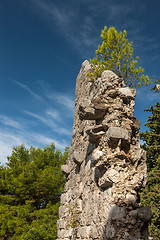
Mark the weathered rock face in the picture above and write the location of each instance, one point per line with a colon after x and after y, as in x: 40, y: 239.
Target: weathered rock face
x: 106, y: 165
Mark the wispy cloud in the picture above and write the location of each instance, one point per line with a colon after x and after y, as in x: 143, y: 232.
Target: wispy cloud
x: 54, y: 114
x: 146, y: 96
x: 83, y: 30
x: 64, y: 100
x: 51, y: 11
x: 50, y: 123
x: 64, y: 19
x: 42, y: 119
x: 53, y: 14
x: 41, y: 139
x: 9, y: 138
x: 5, y: 120
x: 28, y: 90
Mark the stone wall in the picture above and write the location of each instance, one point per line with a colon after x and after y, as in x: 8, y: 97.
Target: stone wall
x: 106, y: 166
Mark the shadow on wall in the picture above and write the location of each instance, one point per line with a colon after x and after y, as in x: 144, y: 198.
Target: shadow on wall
x: 127, y: 223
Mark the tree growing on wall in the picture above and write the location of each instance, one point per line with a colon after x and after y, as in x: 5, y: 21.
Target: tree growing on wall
x: 150, y: 195
x: 116, y: 54
x: 30, y: 188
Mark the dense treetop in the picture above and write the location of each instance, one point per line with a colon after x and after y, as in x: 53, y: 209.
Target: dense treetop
x: 30, y: 189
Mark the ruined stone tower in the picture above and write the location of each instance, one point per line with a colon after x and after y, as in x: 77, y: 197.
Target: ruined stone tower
x: 106, y: 166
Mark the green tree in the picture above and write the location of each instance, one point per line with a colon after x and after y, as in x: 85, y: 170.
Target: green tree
x: 150, y: 195
x: 30, y: 189
x: 116, y: 54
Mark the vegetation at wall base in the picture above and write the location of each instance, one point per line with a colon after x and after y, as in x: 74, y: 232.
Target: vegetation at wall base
x: 30, y: 189
x: 116, y: 54
x: 150, y: 195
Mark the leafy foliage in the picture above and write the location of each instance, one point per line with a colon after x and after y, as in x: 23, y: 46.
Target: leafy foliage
x: 116, y: 54
x: 150, y: 195
x: 157, y: 86
x: 30, y: 189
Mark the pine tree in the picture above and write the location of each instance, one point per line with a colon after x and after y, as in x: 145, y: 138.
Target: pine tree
x: 30, y: 189
x: 116, y: 54
x: 150, y: 195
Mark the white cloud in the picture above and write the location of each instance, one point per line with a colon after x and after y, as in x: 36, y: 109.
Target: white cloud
x: 83, y: 31
x: 28, y: 90
x: 60, y: 99
x: 65, y: 20
x: 50, y: 123
x: 42, y: 119
x: 10, y: 138
x: 53, y: 114
x: 39, y: 138
x: 63, y: 99
x: 54, y: 14
x: 146, y: 96
x: 60, y: 15
x: 5, y: 120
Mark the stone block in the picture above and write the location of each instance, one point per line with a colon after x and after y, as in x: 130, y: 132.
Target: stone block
x: 84, y: 232
x: 79, y: 205
x: 126, y: 92
x: 95, y: 133
x: 116, y: 212
x: 69, y: 233
x: 133, y: 214
x: 104, y: 183
x: 118, y: 133
x: 61, y: 233
x: 61, y: 224
x: 106, y: 179
x: 78, y: 157
x: 96, y: 155
x: 136, y: 124
x: 62, y: 210
x: 107, y: 74
x: 64, y: 198
x: 99, y: 104
x: 110, y: 232
x: 113, y: 93
x: 65, y: 169
x: 113, y: 175
x: 86, y: 66
x: 86, y: 110
x: 93, y: 233
x: 131, y: 198
x: 145, y: 214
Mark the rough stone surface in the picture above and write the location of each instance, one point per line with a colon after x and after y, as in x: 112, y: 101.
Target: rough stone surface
x: 106, y: 166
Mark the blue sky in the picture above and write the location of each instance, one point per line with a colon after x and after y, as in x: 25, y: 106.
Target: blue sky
x: 42, y: 46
